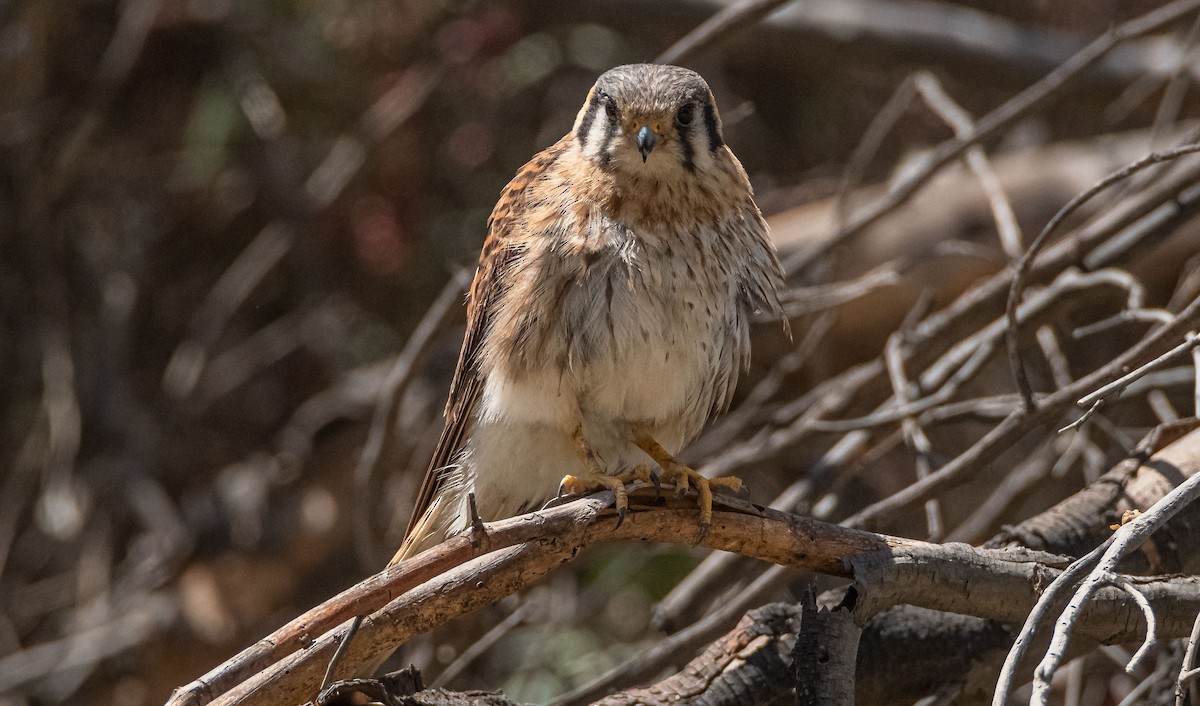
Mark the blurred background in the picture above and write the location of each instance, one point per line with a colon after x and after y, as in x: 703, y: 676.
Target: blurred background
x: 223, y: 223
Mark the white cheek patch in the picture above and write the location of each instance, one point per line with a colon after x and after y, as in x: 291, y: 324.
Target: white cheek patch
x: 601, y: 132
x: 702, y: 156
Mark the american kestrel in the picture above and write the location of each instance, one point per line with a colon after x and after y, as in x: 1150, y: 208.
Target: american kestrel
x: 609, y: 316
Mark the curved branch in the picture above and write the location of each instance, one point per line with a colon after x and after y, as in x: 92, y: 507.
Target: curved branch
x: 1022, y: 269
x: 371, y: 594
x: 888, y: 571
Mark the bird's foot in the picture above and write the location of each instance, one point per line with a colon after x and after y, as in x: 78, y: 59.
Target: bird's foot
x: 685, y: 477
x: 594, y: 478
x: 598, y: 480
x: 642, y: 474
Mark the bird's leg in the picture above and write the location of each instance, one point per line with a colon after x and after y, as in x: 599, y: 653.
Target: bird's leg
x: 594, y: 478
x: 683, y: 476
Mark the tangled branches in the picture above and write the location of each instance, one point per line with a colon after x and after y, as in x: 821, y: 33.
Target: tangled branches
x: 226, y: 230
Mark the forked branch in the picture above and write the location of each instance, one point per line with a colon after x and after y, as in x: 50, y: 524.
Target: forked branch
x: 458, y: 577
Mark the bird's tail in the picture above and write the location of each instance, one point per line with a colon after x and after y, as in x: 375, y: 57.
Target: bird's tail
x: 429, y: 530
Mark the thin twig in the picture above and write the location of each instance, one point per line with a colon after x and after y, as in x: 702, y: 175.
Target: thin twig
x: 136, y: 21
x: 649, y: 662
x: 914, y: 436
x: 726, y: 21
x: 1021, y: 271
x: 1125, y: 316
x: 1151, y: 640
x: 1177, y: 84
x: 1138, y: 693
x: 1115, y: 387
x: 739, y: 418
x: 387, y: 405
x: 1126, y: 539
x: 1016, y: 484
x: 935, y: 96
x: 1078, y: 569
x: 1161, y: 405
x: 806, y: 300
x: 1196, y: 386
x: 483, y: 644
x: 1188, y: 673
x: 1018, y: 423
x: 1007, y: 114
x: 868, y: 146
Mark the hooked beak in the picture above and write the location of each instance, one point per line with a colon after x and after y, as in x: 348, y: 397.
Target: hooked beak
x: 645, y: 140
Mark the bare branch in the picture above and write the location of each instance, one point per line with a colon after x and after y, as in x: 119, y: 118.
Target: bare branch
x: 1115, y: 387
x: 1017, y: 423
x: 888, y: 571
x: 935, y: 96
x: 1026, y: 261
x: 1014, y: 109
x: 1187, y: 672
x: 1127, y: 538
x: 730, y: 19
x: 686, y: 641
x: 387, y: 403
x: 1151, y: 640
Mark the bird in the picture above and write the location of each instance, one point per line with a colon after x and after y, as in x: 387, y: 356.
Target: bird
x: 609, y: 315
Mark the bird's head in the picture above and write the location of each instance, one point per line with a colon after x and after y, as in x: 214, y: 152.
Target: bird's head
x: 650, y: 120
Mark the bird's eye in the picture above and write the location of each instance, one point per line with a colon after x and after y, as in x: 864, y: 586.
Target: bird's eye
x: 684, y: 117
x: 610, y: 107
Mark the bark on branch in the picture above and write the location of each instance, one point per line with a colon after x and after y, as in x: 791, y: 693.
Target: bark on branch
x: 998, y: 584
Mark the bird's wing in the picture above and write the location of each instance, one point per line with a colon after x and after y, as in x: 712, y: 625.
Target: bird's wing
x: 502, y: 252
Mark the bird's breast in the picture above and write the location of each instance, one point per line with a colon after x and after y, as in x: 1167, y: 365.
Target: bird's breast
x: 638, y: 328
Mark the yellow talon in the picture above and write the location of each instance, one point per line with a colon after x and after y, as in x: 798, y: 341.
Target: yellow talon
x: 683, y: 477
x: 578, y: 485
x: 570, y: 485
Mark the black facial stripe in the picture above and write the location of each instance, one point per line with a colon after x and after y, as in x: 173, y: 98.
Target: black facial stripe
x: 589, y: 117
x: 710, y: 123
x: 685, y: 144
x: 610, y: 134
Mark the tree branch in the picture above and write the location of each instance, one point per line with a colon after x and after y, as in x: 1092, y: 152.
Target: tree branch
x: 999, y: 584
